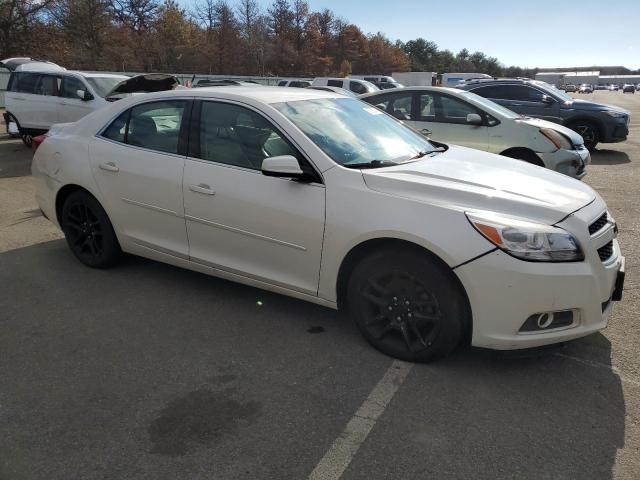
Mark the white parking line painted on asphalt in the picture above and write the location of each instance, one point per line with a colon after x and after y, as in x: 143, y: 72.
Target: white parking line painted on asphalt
x: 591, y: 363
x: 344, y: 448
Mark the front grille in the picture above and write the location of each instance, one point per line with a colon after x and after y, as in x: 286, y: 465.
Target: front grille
x: 606, y: 251
x: 598, y: 224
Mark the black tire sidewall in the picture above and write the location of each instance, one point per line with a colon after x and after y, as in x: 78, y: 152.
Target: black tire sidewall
x: 596, y: 133
x: 111, y: 248
x: 437, y: 278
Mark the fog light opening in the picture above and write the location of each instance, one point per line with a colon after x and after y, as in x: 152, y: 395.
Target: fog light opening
x: 544, y: 320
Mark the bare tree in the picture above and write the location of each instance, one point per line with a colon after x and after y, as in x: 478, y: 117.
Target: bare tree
x: 17, y: 17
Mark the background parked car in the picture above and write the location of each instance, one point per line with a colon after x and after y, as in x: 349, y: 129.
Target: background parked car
x: 356, y: 85
x: 223, y: 82
x: 613, y: 88
x: 570, y: 88
x: 595, y: 122
x: 585, y: 88
x: 628, y: 88
x: 294, y: 83
x: 40, y: 94
x: 387, y: 85
x: 599, y: 87
x: 457, y: 117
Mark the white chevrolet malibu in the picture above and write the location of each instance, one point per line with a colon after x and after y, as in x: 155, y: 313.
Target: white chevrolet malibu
x: 325, y: 198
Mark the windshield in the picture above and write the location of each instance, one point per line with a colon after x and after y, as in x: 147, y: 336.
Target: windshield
x: 353, y: 132
x: 553, y: 92
x: 103, y: 85
x: 489, y: 106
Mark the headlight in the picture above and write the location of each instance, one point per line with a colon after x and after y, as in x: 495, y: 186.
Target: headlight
x: 615, y: 113
x: 527, y: 240
x: 560, y: 141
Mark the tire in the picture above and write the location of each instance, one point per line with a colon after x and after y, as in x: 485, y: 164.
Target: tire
x: 524, y: 155
x: 589, y: 131
x: 88, y: 231
x: 27, y: 139
x: 407, y: 305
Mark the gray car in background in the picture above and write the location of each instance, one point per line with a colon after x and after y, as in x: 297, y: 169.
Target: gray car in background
x: 596, y: 122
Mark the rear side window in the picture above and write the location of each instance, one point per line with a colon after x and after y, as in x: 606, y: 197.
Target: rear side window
x: 282, y: 83
x: 24, y: 82
x: 334, y: 83
x: 398, y: 105
x: 154, y: 125
x: 48, y: 85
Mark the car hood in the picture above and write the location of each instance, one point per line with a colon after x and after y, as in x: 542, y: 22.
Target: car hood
x: 579, y: 104
x: 467, y: 179
x: 576, y: 138
x: 150, y: 82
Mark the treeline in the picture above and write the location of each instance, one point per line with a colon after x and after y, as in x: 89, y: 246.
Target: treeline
x: 287, y: 38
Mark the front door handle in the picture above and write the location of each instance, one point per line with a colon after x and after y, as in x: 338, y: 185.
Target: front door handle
x: 203, y: 189
x: 425, y: 131
x: 109, y: 167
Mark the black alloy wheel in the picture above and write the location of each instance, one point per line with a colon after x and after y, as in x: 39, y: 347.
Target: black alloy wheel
x: 589, y: 133
x: 407, y: 305
x: 88, y: 231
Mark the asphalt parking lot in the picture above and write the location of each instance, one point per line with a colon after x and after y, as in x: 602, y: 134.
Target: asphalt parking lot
x: 147, y: 371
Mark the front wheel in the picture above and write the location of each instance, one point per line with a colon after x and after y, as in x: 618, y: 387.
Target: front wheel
x: 589, y: 132
x: 88, y: 231
x: 408, y: 305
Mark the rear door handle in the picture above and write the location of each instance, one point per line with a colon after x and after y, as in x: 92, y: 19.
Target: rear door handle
x: 109, y: 167
x: 203, y: 189
x: 425, y: 131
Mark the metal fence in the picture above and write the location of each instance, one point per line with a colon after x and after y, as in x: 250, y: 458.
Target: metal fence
x: 191, y: 77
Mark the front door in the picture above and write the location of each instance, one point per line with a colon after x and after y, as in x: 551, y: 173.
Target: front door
x: 240, y: 221
x: 72, y: 105
x: 443, y: 118
x: 138, y: 162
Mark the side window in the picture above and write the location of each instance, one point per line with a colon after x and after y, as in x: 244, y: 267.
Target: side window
x: 427, y: 107
x: 282, y: 83
x: 71, y: 86
x: 453, y: 110
x: 357, y: 87
x: 48, y: 85
x: 334, y: 83
x: 397, y: 105
x: 25, y: 82
x: 492, y: 91
x: 534, y: 95
x: 118, y: 128
x: 297, y: 84
x: 156, y: 125
x: 371, y: 79
x: 238, y: 136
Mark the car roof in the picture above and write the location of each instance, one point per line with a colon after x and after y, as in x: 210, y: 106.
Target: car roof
x: 262, y: 94
x: 413, y: 89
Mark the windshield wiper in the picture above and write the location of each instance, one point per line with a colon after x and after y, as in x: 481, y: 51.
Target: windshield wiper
x: 423, y: 153
x: 371, y: 164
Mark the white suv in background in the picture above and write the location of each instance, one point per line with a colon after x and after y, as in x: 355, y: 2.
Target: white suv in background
x: 356, y: 85
x: 40, y: 94
x: 455, y: 116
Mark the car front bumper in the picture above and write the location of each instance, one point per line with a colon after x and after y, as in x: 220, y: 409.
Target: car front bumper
x: 504, y: 291
x: 569, y: 162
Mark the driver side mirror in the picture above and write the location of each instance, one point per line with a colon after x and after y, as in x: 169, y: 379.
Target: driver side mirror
x: 474, y: 119
x: 84, y: 95
x: 284, y: 166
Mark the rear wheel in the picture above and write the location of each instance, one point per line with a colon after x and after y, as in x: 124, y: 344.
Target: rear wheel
x: 88, y: 231
x: 407, y: 305
x: 589, y: 132
x: 27, y: 139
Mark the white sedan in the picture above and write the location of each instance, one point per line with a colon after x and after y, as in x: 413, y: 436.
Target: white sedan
x: 325, y: 198
x: 463, y: 118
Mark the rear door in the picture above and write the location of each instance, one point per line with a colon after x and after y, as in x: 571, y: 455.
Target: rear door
x: 138, y: 162
x: 73, y: 106
x: 22, y: 101
x: 241, y: 221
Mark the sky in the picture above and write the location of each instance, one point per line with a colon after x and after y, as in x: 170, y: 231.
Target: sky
x: 542, y: 33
